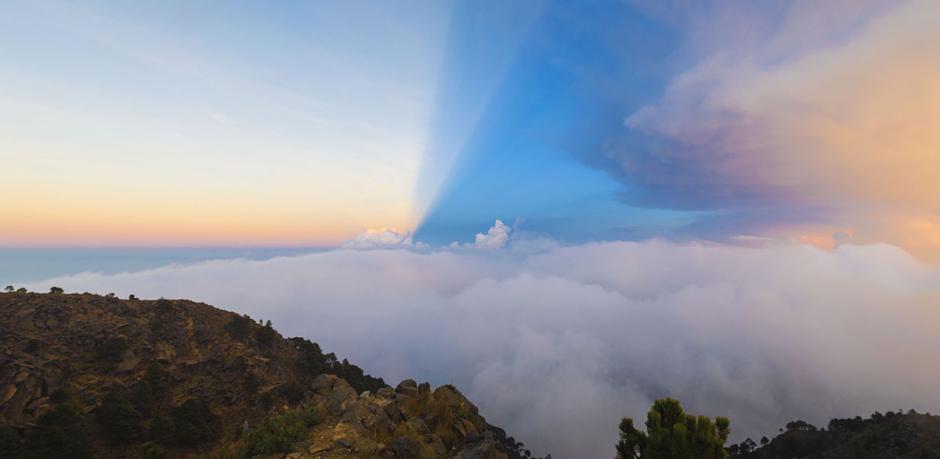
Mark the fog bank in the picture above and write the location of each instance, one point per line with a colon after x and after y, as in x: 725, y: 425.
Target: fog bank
x: 557, y: 344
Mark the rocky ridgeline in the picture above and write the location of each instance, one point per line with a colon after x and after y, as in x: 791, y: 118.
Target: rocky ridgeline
x: 100, y: 376
x: 410, y: 421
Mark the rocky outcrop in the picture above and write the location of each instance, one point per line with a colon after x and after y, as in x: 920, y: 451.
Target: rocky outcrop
x: 408, y: 422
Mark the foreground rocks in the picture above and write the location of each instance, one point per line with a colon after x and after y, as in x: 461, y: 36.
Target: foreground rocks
x: 410, y: 421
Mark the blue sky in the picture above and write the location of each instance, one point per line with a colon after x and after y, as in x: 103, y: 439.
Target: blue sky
x: 565, y: 88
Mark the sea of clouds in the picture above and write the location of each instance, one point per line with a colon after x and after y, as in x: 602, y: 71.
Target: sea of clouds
x: 557, y: 343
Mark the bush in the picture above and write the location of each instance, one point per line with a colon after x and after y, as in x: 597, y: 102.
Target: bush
x: 119, y: 421
x: 292, y: 391
x: 266, y: 401
x: 251, y: 383
x: 142, y: 397
x: 312, y: 359
x: 10, y: 441
x: 62, y: 432
x: 152, y: 450
x: 111, y: 350
x: 265, y: 335
x: 190, y: 424
x: 240, y: 327
x: 277, y: 433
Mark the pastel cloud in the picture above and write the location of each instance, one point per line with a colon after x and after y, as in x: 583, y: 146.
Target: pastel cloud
x: 836, y: 120
x: 557, y: 345
x: 381, y: 238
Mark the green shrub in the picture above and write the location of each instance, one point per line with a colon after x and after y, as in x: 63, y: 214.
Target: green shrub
x: 277, y: 433
x: 119, y: 421
x: 673, y: 434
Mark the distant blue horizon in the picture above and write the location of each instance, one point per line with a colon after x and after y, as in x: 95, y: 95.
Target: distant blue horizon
x: 27, y: 265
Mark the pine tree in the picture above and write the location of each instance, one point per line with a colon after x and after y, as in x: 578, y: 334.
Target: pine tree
x: 673, y: 434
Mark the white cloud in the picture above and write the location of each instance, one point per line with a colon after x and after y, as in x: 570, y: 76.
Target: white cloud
x: 557, y: 346
x: 495, y: 238
x: 384, y: 238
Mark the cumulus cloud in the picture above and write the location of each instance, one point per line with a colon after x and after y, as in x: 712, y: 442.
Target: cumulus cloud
x: 494, y: 239
x: 557, y: 345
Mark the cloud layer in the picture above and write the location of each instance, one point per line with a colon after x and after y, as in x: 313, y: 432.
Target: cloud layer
x: 557, y: 344
x: 806, y: 117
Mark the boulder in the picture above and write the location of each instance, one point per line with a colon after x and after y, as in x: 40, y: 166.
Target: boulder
x: 333, y: 392
x: 386, y: 393
x: 407, y: 387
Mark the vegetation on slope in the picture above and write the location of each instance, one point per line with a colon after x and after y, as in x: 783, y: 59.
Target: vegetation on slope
x: 881, y: 436
x: 97, y: 376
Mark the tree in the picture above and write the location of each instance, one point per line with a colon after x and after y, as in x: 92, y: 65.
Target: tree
x: 240, y: 327
x: 805, y: 426
x: 673, y: 434
x: 748, y: 445
x: 265, y: 335
x: 764, y: 440
x: 9, y: 289
x: 56, y: 290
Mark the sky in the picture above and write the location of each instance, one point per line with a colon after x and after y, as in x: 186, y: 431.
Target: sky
x: 305, y: 123
x: 559, y: 207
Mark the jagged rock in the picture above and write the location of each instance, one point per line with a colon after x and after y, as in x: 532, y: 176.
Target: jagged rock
x: 407, y: 387
x: 334, y: 392
x: 424, y: 388
x: 386, y: 393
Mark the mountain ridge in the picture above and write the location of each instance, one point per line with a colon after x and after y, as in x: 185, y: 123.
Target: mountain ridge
x: 100, y: 376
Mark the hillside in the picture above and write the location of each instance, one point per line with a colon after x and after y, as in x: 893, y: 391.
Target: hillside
x: 881, y: 436
x: 85, y: 375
